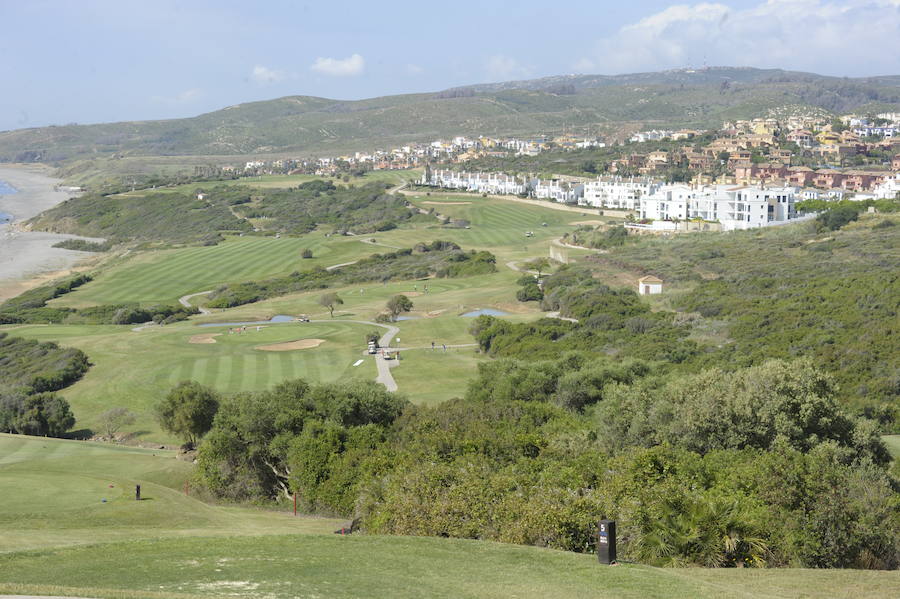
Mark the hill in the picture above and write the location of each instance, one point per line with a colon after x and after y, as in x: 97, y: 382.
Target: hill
x: 307, y: 125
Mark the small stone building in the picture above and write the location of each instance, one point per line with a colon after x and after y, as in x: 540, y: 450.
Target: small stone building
x: 649, y: 285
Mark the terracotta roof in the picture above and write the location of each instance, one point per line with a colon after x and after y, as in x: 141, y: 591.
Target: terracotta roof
x: 649, y: 279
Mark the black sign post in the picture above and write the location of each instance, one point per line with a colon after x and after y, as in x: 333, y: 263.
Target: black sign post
x: 137, y: 492
x: 606, y: 542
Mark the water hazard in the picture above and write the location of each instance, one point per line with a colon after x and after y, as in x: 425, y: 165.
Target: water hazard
x: 274, y: 319
x: 485, y: 312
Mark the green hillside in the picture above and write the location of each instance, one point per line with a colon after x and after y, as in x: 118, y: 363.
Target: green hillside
x: 304, y: 125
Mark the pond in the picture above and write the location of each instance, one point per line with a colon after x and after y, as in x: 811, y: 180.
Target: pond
x: 274, y: 319
x: 485, y: 312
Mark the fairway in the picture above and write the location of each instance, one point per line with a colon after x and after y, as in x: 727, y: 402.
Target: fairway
x: 375, y: 566
x: 136, y: 369
x: 166, y: 275
x: 52, y: 493
x: 59, y: 537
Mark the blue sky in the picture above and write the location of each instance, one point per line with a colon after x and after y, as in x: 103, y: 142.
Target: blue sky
x: 92, y: 61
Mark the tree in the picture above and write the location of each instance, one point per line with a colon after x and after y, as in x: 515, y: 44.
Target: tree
x: 330, y: 300
x: 188, y: 411
x: 112, y: 420
x: 836, y: 218
x: 44, y: 414
x: 538, y: 264
x: 306, y: 254
x: 399, y: 304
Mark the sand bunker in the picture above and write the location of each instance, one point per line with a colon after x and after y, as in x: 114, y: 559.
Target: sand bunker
x: 446, y: 203
x: 589, y: 222
x: 292, y: 345
x: 204, y: 338
x: 411, y: 293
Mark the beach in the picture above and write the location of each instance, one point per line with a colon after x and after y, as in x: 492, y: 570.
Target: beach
x: 28, y: 258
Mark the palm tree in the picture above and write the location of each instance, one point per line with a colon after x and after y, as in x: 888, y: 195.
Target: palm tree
x: 711, y: 532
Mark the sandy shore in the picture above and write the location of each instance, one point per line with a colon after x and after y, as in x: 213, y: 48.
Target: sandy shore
x: 28, y: 258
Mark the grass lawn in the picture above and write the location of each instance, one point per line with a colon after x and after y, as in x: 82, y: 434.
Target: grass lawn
x: 893, y: 444
x: 52, y: 492
x: 136, y: 369
x: 373, y: 566
x: 448, y: 373
x: 165, y: 275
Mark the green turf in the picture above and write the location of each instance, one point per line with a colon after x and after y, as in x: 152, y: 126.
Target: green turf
x: 136, y: 369
x: 52, y: 492
x: 893, y: 444
x: 364, y: 566
x: 166, y: 275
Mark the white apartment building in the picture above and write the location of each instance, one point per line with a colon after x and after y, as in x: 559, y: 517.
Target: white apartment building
x: 558, y: 191
x: 620, y: 193
x: 889, y: 188
x: 493, y: 183
x: 741, y: 207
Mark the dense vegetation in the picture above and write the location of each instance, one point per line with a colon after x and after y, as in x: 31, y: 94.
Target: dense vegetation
x: 363, y: 209
x: 29, y: 366
x: 834, y: 297
x: 534, y: 453
x: 609, y: 321
x: 83, y: 245
x: 438, y: 258
x: 29, y: 373
x: 175, y: 216
x: 31, y: 307
x: 153, y: 216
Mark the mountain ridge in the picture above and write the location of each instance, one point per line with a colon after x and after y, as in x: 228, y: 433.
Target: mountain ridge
x: 306, y: 125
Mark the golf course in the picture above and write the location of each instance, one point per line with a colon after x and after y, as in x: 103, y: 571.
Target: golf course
x: 133, y: 367
x: 73, y: 527
x: 71, y: 523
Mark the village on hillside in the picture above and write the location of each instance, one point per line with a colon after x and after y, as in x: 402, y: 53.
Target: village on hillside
x: 748, y: 173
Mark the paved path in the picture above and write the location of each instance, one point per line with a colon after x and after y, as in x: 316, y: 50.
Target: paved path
x: 184, y: 300
x: 384, y: 366
x: 336, y: 266
x: 556, y: 315
x: 562, y: 243
x: 370, y: 242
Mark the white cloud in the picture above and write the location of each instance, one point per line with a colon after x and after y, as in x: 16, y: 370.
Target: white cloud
x: 504, y: 68
x: 340, y: 67
x: 185, y: 97
x: 853, y: 37
x: 414, y: 69
x: 265, y: 75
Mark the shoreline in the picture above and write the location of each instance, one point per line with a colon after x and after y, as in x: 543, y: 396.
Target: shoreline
x: 27, y: 259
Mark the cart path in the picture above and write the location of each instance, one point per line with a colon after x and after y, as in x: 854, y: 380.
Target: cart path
x: 184, y: 300
x: 384, y: 366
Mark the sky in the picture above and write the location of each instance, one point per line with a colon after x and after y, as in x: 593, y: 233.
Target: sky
x: 90, y: 61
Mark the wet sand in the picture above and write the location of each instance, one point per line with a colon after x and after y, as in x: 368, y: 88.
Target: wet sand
x: 28, y: 258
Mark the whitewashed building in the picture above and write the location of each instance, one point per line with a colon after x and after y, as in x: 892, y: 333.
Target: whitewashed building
x: 493, y: 183
x: 742, y: 207
x: 649, y: 285
x: 620, y: 193
x: 557, y: 190
x: 889, y: 188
